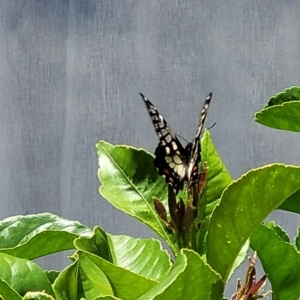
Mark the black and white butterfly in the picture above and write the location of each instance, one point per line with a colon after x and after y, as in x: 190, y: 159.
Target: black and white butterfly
x: 176, y: 163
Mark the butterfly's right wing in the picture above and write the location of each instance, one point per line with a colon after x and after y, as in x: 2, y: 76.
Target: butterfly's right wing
x: 195, y: 146
x: 170, y: 159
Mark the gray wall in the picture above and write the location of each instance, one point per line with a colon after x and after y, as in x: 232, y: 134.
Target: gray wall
x: 70, y: 73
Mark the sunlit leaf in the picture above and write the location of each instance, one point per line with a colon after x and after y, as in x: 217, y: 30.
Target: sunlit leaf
x: 218, y: 177
x: 282, y: 111
x: 243, y: 206
x: 280, y: 260
x: 190, y: 278
x: 23, y: 275
x: 129, y: 181
x: 33, y: 236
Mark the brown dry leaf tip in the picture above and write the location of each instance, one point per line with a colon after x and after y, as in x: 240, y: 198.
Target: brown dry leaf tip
x: 203, y: 177
x: 199, y: 187
x: 160, y: 209
x: 251, y: 289
x: 162, y: 213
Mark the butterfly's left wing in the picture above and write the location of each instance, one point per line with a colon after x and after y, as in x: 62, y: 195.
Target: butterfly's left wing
x: 170, y: 156
x: 194, y: 148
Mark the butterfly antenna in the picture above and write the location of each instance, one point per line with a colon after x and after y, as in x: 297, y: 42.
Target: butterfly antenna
x: 213, y: 125
x: 182, y: 137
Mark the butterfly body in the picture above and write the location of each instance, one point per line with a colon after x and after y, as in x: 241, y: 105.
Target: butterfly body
x: 176, y: 163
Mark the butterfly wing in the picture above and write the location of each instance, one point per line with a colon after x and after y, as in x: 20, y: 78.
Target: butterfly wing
x: 194, y: 148
x: 170, y: 158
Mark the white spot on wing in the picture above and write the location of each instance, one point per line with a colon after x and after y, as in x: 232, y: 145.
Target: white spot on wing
x: 168, y: 159
x: 168, y: 138
x: 189, y: 171
x: 164, y: 132
x: 180, y: 170
x: 177, y: 159
x: 172, y: 165
x: 174, y: 145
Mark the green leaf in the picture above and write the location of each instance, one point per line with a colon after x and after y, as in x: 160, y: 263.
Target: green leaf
x: 141, y: 256
x: 96, y: 244
x: 33, y: 236
x: 282, y: 111
x: 52, y: 275
x: 292, y: 203
x: 190, y: 278
x: 289, y: 94
x: 241, y: 257
x: 37, y: 296
x: 66, y: 286
x: 135, y: 260
x: 23, y: 275
x: 119, y: 282
x: 243, y: 206
x: 217, y: 180
x: 218, y: 177
x: 297, y: 240
x: 93, y: 279
x: 7, y: 292
x: 129, y: 181
x: 278, y: 230
x: 144, y: 257
x: 280, y: 260
x: 283, y: 117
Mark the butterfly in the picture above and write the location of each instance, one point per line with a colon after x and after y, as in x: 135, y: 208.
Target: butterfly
x: 176, y: 163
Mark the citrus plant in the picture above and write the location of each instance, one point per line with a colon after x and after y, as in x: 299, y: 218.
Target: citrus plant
x: 209, y: 230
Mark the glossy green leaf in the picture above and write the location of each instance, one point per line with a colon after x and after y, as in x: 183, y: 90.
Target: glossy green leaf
x: 37, y: 296
x: 144, y: 257
x: 190, y: 278
x: 243, y: 206
x: 52, y: 275
x: 218, y: 177
x: 292, y: 203
x: 284, y: 116
x: 66, y: 285
x: 93, y: 279
x: 282, y: 111
x: 297, y: 240
x: 33, y: 236
x: 287, y: 95
x: 23, y: 275
x: 129, y: 181
x: 279, y: 231
x: 96, y: 244
x: 121, y: 281
x: 280, y: 260
x: 217, y: 180
x: 141, y: 256
x: 7, y: 292
x: 241, y: 257
x: 140, y: 260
